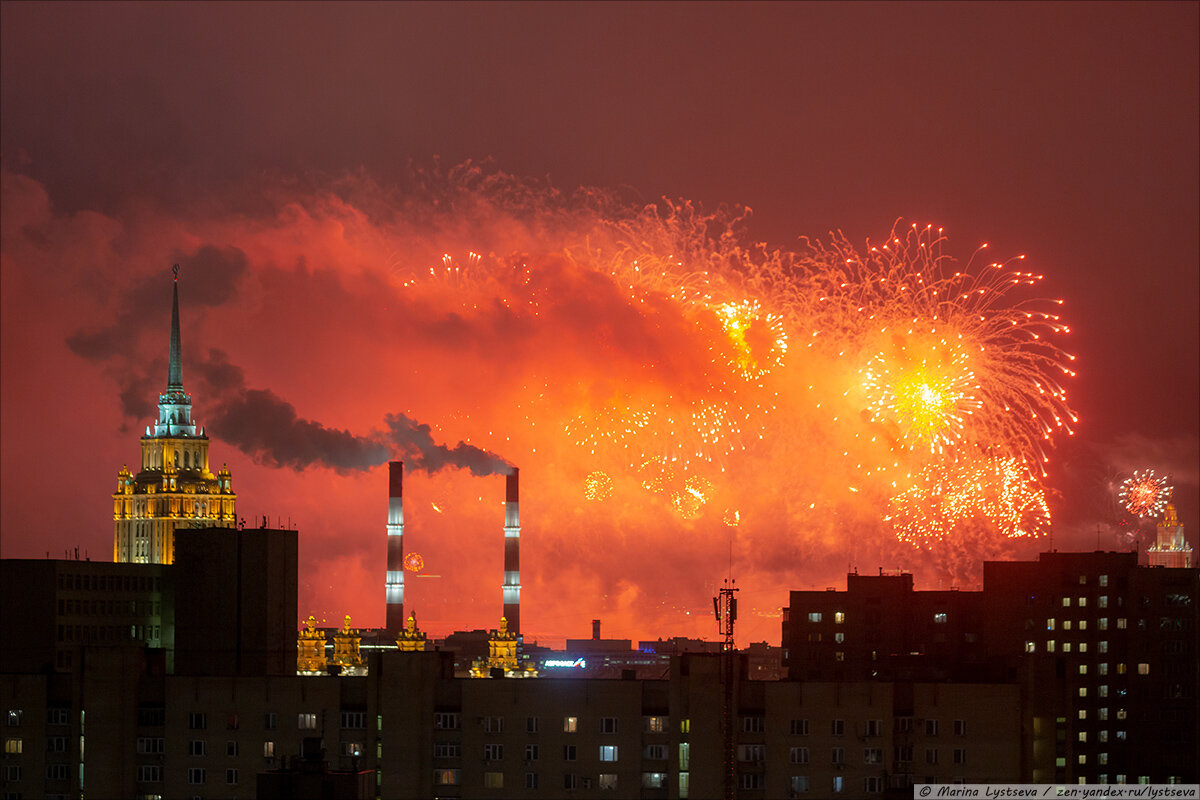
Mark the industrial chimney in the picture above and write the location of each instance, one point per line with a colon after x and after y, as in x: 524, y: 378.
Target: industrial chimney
x: 512, y: 554
x: 395, y: 548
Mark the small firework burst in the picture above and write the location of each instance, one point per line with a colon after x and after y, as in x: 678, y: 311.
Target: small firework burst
x: 597, y: 486
x: 414, y: 562
x: 1145, y: 494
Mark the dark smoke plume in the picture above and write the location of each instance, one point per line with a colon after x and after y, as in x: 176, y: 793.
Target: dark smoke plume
x: 416, y: 443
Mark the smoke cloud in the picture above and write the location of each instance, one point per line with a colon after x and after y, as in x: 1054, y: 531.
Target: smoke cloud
x: 416, y: 443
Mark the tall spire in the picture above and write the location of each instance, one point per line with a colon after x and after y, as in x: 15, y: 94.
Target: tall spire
x: 175, y: 367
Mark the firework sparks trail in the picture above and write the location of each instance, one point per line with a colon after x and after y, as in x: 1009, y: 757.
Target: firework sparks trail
x: 1145, y: 494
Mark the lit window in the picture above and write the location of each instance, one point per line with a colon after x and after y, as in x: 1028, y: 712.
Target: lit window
x: 685, y: 755
x: 839, y: 617
x: 656, y: 724
x: 654, y: 780
x: 1120, y: 669
x: 1083, y: 691
x: 1083, y: 669
x: 1103, y: 690
x: 1121, y: 623
x: 570, y: 724
x: 1103, y: 623
x: 839, y: 783
x: 268, y: 749
x: 1050, y: 646
x: 1143, y: 669
x: 14, y: 716
x: 608, y: 780
x: 1083, y: 647
x: 1103, y: 601
x: 1030, y: 647
x: 1082, y: 758
x: 1083, y: 713
x: 1083, y: 624
x: 1083, y: 736
x: 839, y: 637
x: 1066, y: 602
x: 685, y: 726
x: 1104, y: 668
x: 840, y: 655
x: 608, y: 752
x: 1066, y: 647
x: 814, y: 616
x: 1050, y: 624
x: 306, y: 722
x: 447, y: 777
x: 1066, y: 624
x: 14, y: 745
x: 493, y: 780
x: 1103, y: 646
x: 1082, y: 602
x: 940, y: 617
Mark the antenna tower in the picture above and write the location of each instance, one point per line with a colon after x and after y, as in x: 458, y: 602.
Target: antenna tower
x: 725, y: 608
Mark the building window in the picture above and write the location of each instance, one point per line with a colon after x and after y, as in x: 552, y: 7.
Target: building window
x: 570, y: 724
x: 838, y: 755
x: 268, y: 749
x: 15, y: 715
x: 56, y: 772
x: 56, y: 716
x: 960, y: 727
x: 874, y: 727
x: 531, y: 780
x: 1121, y: 623
x: 799, y: 727
x: 750, y: 780
x: 839, y: 638
x: 570, y: 781
x: 931, y: 727
x: 1066, y: 624
x: 352, y: 749
x: 1103, y: 601
x: 531, y: 724
x: 839, y: 783
x: 1143, y: 668
x: 306, y: 722
x: 1103, y: 623
x: 1066, y: 601
x: 608, y: 724
x: 904, y: 724
x: 196, y: 747
x: 608, y: 780
x: 685, y: 755
x: 872, y: 755
x: 447, y: 749
x: 940, y: 617
x: 231, y: 776
x: 799, y: 784
x: 446, y: 721
x: 931, y: 755
x: 354, y: 720
x: 493, y: 780
x: 960, y: 755
x: 903, y: 752
x: 197, y: 722
x: 814, y: 616
x: 753, y: 724
x: 656, y: 724
x: 751, y: 753
x: 654, y: 780
x: 151, y: 745
x: 655, y: 752
x: 798, y: 755
x: 1083, y: 602
x: 873, y: 785
x: 838, y: 727
x: 568, y: 752
x: 195, y: 775
x: 839, y: 617
x: 231, y: 747
x: 608, y: 752
x: 493, y: 752
x: 447, y: 777
x: 270, y: 721
x: 56, y: 744
x: 685, y: 726
x: 149, y: 773
x: 1030, y: 647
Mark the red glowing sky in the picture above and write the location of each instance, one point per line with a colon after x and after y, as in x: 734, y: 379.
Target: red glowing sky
x: 297, y: 161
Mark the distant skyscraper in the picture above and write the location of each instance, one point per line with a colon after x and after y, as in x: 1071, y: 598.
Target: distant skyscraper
x: 1170, y: 549
x: 174, y: 487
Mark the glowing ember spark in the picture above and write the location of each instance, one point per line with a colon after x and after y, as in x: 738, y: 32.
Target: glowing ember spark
x: 414, y: 562
x: 1145, y: 494
x: 732, y: 518
x: 598, y: 486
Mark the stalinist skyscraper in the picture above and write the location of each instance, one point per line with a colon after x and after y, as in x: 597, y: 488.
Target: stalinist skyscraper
x: 174, y: 487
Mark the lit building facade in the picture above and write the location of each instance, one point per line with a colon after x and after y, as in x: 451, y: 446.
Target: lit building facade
x: 1170, y: 548
x: 174, y: 487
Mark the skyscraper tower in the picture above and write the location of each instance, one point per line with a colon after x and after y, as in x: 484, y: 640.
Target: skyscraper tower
x: 394, y: 581
x: 174, y: 487
x: 1170, y: 549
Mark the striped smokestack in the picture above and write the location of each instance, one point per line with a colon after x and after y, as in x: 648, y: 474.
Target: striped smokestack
x: 512, y: 554
x: 395, y: 548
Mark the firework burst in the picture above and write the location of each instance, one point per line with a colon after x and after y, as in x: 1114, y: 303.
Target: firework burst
x: 1145, y: 494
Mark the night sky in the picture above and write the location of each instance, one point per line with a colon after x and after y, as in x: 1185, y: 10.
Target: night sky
x: 308, y: 165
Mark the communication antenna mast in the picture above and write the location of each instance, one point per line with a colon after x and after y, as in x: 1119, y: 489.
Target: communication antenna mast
x: 725, y: 608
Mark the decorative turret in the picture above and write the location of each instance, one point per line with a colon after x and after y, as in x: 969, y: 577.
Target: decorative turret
x: 310, y: 649
x: 346, y: 652
x: 502, y: 655
x: 411, y: 640
x: 174, y: 486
